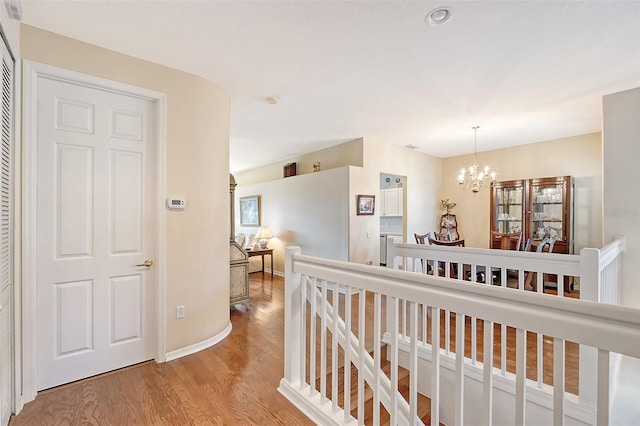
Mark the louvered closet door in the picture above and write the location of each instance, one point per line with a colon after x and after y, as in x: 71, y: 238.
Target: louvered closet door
x: 6, y: 240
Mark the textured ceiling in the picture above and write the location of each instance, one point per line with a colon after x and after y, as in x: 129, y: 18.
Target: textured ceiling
x: 525, y: 71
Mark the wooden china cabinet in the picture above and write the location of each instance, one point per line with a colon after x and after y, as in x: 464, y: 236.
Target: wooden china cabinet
x: 540, y: 208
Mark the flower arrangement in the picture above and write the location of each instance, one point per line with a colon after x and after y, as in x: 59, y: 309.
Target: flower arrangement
x: 447, y: 205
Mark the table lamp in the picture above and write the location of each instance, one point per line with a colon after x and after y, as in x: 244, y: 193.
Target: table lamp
x: 263, y: 234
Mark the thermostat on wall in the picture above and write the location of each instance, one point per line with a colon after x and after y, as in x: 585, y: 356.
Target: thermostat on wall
x: 176, y: 203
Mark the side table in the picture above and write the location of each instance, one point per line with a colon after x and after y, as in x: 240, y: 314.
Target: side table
x: 262, y: 253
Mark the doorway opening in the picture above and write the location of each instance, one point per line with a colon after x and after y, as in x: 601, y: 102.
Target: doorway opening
x: 393, y: 204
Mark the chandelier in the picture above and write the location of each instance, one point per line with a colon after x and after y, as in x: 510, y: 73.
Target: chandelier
x: 474, y: 177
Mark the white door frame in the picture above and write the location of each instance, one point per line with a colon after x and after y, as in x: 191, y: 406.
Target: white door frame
x: 32, y: 71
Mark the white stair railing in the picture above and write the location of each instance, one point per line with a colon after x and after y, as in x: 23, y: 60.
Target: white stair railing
x: 354, y: 352
x: 606, y: 327
x: 597, y: 271
x: 313, y: 292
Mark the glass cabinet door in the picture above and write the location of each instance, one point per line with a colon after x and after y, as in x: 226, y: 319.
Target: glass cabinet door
x: 548, y: 210
x: 539, y: 208
x: 508, y: 202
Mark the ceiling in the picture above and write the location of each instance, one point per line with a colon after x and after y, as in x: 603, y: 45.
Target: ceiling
x: 524, y: 71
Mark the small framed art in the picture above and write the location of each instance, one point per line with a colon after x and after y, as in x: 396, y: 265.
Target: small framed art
x: 366, y: 204
x: 250, y: 211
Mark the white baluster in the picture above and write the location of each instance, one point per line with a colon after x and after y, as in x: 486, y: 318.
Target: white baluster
x: 435, y: 366
x: 425, y: 318
x: 361, y: 337
x: 521, y: 376
x: 403, y: 316
x: 558, y: 381
x: 334, y: 348
x: 521, y: 279
x: 347, y: 355
x: 313, y: 344
x: 413, y: 363
x: 303, y: 328
x: 323, y: 343
x: 488, y: 373
x: 393, y: 409
x: 458, y: 416
x: 377, y: 313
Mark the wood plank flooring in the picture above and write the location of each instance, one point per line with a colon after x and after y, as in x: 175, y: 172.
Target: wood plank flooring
x: 231, y: 383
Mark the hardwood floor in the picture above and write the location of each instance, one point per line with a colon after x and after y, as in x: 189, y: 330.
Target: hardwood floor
x: 231, y: 383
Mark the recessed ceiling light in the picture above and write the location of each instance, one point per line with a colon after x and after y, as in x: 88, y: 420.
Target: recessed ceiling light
x: 439, y: 15
x: 410, y: 146
x: 272, y: 100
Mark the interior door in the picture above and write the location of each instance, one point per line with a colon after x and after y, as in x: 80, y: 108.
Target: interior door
x: 95, y: 228
x: 6, y: 236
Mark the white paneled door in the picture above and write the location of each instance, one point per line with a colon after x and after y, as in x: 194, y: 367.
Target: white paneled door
x: 95, y: 230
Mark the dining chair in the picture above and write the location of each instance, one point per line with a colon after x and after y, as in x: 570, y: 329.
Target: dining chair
x: 453, y: 272
x: 506, y: 240
x: 453, y: 243
x: 444, y: 236
x: 422, y: 239
x: 542, y: 246
x: 506, y: 243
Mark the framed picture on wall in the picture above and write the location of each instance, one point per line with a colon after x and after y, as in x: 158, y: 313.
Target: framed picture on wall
x: 366, y: 204
x: 250, y: 211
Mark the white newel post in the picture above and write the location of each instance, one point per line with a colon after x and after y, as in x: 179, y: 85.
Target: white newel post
x: 589, y: 289
x: 391, y: 260
x: 292, y: 319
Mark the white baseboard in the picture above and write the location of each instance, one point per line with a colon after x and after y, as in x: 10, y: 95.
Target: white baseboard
x: 197, y: 347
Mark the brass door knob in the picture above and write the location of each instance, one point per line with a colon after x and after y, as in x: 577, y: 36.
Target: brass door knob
x: 147, y: 262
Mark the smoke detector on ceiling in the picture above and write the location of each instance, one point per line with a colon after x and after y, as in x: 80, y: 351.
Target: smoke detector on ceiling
x: 439, y: 15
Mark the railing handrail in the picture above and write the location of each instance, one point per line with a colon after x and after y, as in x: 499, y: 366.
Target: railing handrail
x: 614, y: 328
x: 555, y: 263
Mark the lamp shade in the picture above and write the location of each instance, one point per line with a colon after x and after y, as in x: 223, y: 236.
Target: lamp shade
x: 263, y: 233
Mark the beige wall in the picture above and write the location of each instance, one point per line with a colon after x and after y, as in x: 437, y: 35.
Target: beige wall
x: 422, y: 172
x: 346, y: 154
x: 197, y: 168
x: 579, y: 156
x: 423, y: 177
x: 430, y: 179
x: 309, y: 211
x: 621, y: 133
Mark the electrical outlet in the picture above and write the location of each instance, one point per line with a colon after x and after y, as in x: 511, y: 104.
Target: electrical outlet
x: 180, y: 311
